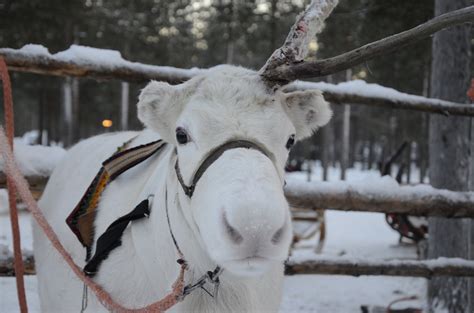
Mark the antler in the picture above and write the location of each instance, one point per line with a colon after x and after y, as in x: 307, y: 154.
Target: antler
x: 295, y: 48
x: 286, y: 63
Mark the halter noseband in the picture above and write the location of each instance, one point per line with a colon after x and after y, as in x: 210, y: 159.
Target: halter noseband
x: 211, y: 158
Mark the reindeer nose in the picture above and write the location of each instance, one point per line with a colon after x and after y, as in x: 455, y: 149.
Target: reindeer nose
x: 237, y: 238
x: 233, y: 233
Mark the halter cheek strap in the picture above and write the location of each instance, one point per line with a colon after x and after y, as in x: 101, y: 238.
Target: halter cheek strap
x: 211, y: 158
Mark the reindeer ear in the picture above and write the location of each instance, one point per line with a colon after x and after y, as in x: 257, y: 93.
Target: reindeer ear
x: 307, y: 110
x: 160, y: 104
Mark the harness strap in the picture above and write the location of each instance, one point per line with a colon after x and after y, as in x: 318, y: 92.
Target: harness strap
x: 211, y: 158
x: 112, y: 237
x: 81, y: 219
x: 210, y: 277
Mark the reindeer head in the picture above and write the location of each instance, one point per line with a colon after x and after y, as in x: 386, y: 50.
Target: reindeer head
x: 238, y: 207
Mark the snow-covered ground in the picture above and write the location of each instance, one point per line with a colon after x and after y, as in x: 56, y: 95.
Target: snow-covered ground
x: 362, y: 235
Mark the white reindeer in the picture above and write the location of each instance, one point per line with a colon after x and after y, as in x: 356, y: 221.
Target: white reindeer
x: 237, y: 218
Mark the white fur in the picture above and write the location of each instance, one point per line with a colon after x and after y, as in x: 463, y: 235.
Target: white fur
x: 243, y: 186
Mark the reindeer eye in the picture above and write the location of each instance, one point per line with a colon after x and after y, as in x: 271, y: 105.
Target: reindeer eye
x: 290, y: 142
x: 181, y: 136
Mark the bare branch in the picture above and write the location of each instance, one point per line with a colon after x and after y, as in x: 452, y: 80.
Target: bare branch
x: 295, y: 48
x: 341, y: 266
x: 293, y: 71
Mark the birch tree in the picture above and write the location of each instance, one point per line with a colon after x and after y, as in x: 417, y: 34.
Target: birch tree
x: 450, y: 159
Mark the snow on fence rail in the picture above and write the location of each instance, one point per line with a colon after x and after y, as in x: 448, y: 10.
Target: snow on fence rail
x: 80, y: 61
x: 383, y: 195
x: 334, y: 266
x: 95, y: 63
x: 36, y: 163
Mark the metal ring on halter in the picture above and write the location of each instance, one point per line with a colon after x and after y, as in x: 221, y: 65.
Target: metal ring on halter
x: 150, y: 199
x: 211, y: 277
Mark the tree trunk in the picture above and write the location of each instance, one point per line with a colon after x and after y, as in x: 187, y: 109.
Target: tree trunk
x: 326, y: 142
x: 371, y: 156
x: 408, y: 161
x: 75, y: 122
x: 423, y: 149
x: 41, y: 124
x: 230, y: 31
x: 346, y: 134
x: 124, y: 105
x: 67, y: 112
x: 345, y: 140
x: 450, y: 158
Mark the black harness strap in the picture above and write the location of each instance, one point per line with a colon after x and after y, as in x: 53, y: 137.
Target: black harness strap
x: 112, y: 237
x: 212, y: 157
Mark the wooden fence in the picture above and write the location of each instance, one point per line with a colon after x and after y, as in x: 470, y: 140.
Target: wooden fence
x: 442, y: 203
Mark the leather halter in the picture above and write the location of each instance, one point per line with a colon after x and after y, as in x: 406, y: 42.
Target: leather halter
x: 211, y: 158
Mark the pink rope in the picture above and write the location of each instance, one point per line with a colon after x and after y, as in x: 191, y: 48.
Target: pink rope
x: 9, y: 124
x: 13, y: 172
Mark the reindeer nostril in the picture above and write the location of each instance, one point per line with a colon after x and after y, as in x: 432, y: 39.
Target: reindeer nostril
x: 278, y: 235
x: 233, y: 233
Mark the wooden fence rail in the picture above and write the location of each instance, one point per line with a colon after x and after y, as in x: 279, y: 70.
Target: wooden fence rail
x: 47, y: 64
x: 426, y: 268
x: 340, y: 196
x: 335, y: 266
x: 412, y: 200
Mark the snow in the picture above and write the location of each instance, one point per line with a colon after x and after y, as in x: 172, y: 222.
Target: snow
x: 5, y: 252
x: 342, y: 294
x: 372, y: 184
x: 33, y: 160
x: 97, y: 58
x: 357, y: 235
x: 83, y: 54
x: 34, y: 49
x: 6, y: 235
x: 8, y: 297
x: 364, y: 89
x: 36, y: 160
